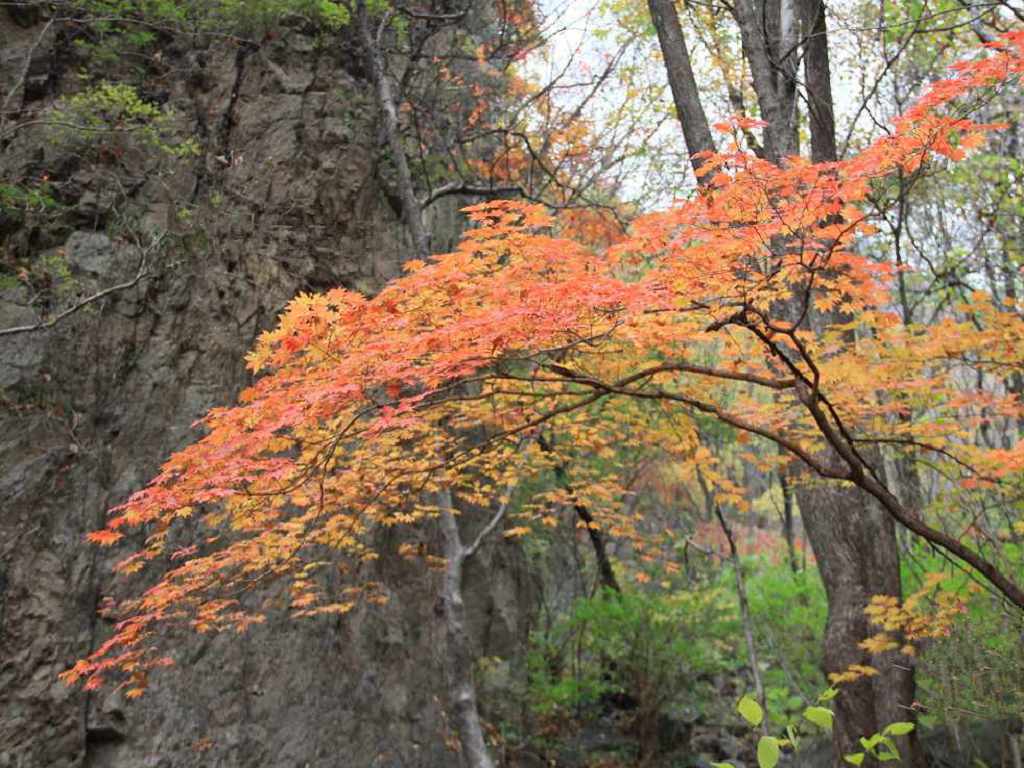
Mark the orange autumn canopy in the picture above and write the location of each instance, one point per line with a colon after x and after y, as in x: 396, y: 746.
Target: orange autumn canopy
x: 749, y: 302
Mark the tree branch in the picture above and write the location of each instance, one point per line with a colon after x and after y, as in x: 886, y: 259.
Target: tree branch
x: 22, y: 76
x: 139, y: 275
x: 463, y: 188
x: 494, y: 522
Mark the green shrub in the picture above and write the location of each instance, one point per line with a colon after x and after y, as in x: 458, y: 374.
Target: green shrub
x: 974, y: 672
x: 229, y: 17
x: 113, y: 117
x: 650, y: 654
x: 788, y: 611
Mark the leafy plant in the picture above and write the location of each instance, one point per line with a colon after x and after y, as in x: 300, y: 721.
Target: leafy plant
x: 879, y: 746
x: 220, y: 16
x: 27, y: 199
x: 649, y: 653
x: 111, y: 117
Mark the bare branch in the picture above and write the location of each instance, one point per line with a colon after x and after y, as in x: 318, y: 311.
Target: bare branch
x: 447, y: 18
x: 494, y: 522
x: 143, y: 271
x: 462, y: 188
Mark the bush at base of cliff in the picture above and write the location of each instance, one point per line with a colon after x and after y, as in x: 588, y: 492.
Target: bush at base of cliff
x: 638, y: 658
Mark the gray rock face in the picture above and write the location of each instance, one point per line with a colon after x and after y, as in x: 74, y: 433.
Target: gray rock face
x: 18, y: 361
x: 90, y: 253
x: 284, y: 197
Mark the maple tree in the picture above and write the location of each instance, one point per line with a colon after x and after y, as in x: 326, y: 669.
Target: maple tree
x: 436, y: 395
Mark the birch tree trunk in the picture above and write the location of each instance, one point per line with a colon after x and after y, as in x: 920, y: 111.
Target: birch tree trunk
x: 461, y: 688
x: 458, y: 651
x: 412, y: 211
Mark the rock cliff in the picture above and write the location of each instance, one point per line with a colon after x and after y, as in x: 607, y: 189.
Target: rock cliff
x: 283, y: 196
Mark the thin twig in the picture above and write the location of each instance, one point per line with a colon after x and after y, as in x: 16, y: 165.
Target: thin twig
x: 142, y: 272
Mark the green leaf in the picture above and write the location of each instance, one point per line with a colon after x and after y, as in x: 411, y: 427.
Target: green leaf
x: 855, y: 759
x: 889, y: 745
x: 750, y: 710
x: 898, y: 729
x: 820, y: 716
x: 828, y: 695
x: 722, y: 765
x: 768, y: 752
x: 871, y: 741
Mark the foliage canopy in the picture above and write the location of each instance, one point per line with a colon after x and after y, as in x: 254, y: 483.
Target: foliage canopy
x: 368, y: 408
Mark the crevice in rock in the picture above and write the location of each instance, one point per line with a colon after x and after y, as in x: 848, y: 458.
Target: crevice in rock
x: 300, y: 129
x: 102, y: 742
x: 227, y: 121
x: 202, y: 128
x: 103, y: 734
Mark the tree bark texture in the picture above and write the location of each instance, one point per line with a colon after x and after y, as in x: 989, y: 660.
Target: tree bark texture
x: 459, y: 655
x: 681, y: 81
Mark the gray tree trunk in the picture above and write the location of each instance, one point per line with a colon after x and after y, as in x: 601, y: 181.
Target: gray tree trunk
x: 459, y: 653
x: 412, y: 211
x: 854, y: 541
x: 681, y: 81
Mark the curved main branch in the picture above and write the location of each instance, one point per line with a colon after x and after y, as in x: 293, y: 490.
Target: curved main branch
x: 864, y: 478
x: 852, y: 466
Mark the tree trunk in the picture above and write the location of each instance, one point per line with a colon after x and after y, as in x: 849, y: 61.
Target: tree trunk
x: 767, y: 34
x: 459, y: 654
x: 681, y: 81
x: 818, y: 77
x: 787, y: 518
x: 854, y: 541
x: 412, y: 211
